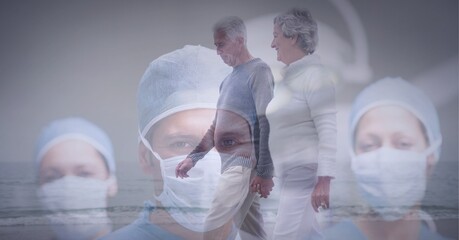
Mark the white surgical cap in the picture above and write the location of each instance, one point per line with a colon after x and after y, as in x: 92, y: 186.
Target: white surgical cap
x: 184, y: 79
x: 396, y: 91
x: 75, y: 128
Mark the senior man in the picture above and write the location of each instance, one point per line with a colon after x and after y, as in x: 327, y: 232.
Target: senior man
x: 240, y: 134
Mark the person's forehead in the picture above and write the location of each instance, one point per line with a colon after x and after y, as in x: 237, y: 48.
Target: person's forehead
x: 72, y: 152
x: 387, y: 118
x: 182, y: 118
x: 220, y: 36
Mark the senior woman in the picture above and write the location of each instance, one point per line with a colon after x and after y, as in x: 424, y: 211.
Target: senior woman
x: 395, y: 143
x: 302, y: 119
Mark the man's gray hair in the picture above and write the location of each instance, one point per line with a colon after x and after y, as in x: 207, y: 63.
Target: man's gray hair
x: 232, y: 26
x: 299, y: 22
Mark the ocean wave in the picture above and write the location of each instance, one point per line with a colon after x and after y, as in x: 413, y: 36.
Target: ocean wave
x: 435, y: 212
x: 24, y: 221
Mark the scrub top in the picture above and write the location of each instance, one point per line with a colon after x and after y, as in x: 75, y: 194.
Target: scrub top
x: 141, y: 229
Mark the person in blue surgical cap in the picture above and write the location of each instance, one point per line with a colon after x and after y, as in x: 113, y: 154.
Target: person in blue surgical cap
x: 76, y: 174
x: 176, y: 101
x: 395, y: 143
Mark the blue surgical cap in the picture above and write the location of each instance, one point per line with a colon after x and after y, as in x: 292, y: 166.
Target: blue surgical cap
x: 184, y: 79
x: 75, y: 128
x: 396, y: 91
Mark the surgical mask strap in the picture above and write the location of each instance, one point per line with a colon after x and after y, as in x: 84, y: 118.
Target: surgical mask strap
x: 110, y: 180
x: 148, y: 146
x: 433, y: 147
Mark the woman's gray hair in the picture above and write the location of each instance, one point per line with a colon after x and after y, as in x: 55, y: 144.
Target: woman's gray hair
x: 299, y: 22
x: 232, y: 26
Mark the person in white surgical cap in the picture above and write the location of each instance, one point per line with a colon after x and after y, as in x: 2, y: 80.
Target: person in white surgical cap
x: 76, y: 174
x: 176, y: 100
x: 395, y: 143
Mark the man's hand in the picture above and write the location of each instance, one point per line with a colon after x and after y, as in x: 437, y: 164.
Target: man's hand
x: 321, y: 194
x: 183, y: 167
x: 262, y: 185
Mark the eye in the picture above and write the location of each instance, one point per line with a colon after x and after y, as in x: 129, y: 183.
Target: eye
x: 180, y: 144
x: 367, y: 146
x: 51, y: 177
x: 176, y: 144
x: 175, y: 148
x: 84, y: 173
x: 404, y: 144
x: 228, y: 142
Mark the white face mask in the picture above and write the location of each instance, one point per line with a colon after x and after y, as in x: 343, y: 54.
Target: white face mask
x: 391, y: 181
x: 188, y: 200
x: 78, y: 206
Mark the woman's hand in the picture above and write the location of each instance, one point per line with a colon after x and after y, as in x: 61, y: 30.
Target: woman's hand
x: 321, y: 195
x: 262, y: 185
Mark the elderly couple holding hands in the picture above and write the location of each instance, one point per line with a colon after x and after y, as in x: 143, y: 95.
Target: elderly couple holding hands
x: 209, y: 180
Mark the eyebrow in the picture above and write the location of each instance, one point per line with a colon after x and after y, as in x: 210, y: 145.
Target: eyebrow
x: 232, y: 134
x: 49, y: 170
x: 366, y: 136
x: 182, y: 135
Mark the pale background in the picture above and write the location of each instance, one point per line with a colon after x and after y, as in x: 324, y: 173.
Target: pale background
x: 85, y: 58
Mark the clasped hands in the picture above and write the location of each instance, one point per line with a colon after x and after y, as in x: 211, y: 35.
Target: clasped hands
x: 263, y: 186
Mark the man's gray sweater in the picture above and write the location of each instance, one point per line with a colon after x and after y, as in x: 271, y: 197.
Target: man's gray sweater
x: 246, y: 92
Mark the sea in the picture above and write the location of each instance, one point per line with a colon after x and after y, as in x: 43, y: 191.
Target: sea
x: 22, y: 217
